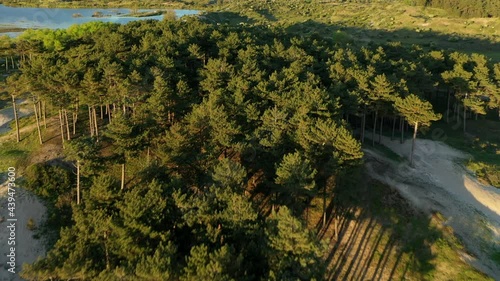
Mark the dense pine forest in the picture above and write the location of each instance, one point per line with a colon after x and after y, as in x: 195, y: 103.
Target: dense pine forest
x: 193, y: 149
x: 229, y: 146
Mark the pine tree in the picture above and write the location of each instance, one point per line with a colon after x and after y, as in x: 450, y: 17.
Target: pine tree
x: 294, y: 253
x: 295, y: 176
x: 417, y: 112
x: 85, y: 152
x: 128, y: 138
x: 228, y: 173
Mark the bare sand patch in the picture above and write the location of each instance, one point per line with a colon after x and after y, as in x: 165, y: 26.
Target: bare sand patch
x: 28, y: 249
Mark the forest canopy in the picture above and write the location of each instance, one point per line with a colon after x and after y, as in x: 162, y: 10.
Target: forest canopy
x: 198, y: 146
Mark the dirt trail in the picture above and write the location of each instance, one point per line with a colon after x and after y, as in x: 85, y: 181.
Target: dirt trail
x: 28, y: 249
x: 28, y: 206
x: 439, y: 182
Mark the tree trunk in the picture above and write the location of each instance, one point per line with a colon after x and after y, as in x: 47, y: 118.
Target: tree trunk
x: 123, y: 177
x: 401, y: 123
x: 18, y: 137
x: 102, y: 113
x: 78, y: 182
x: 44, y: 107
x: 109, y: 113
x: 40, y: 110
x: 148, y: 156
x: 74, y: 123
x: 381, y: 128
x: 38, y: 124
x: 465, y: 117
x: 12, y: 61
x: 95, y: 122
x: 393, y: 127
x: 67, y: 124
x: 413, y: 143
x: 363, y: 125
x: 61, y: 125
x: 374, y: 127
x: 91, y: 123
x: 448, y: 108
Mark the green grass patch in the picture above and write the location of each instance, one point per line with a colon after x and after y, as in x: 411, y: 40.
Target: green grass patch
x: 496, y: 257
x: 489, y: 173
x: 16, y: 154
x: 383, y: 150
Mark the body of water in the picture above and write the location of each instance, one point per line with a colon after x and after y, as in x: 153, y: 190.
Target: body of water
x: 55, y: 18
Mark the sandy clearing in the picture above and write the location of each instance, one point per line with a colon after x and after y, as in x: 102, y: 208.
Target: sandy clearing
x: 28, y: 249
x: 439, y: 182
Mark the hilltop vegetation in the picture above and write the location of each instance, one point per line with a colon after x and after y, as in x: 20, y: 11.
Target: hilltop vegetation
x: 461, y: 8
x: 199, y: 147
x: 464, y: 8
x: 217, y: 148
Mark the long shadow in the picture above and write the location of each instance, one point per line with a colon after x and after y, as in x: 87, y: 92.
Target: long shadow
x: 371, y: 244
x: 227, y: 17
x: 267, y: 14
x: 428, y: 40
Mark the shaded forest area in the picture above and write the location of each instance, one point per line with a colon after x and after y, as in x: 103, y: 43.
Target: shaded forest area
x: 197, y: 147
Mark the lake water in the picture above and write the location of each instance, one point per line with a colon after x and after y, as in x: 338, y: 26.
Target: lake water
x: 64, y: 17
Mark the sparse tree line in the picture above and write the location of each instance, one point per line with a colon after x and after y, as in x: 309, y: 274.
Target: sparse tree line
x: 209, y: 117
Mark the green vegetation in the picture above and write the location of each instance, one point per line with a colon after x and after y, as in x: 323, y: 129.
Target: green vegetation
x: 490, y: 173
x: 194, y: 149
x: 16, y: 155
x: 464, y: 8
x: 387, y: 152
x: 416, y: 112
x: 496, y: 257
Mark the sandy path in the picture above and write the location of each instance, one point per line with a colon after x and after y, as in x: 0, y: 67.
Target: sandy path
x: 7, y: 114
x: 438, y: 182
x: 28, y: 249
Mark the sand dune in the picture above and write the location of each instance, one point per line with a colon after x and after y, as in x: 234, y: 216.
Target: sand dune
x: 439, y: 182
